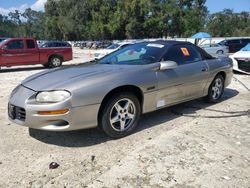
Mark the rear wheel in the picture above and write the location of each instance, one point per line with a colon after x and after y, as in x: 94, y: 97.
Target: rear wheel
x: 216, y: 89
x: 120, y: 115
x: 55, y: 61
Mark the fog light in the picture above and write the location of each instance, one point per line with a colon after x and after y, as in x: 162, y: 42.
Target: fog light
x: 54, y: 112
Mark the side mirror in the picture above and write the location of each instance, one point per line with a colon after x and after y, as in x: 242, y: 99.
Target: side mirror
x: 167, y: 65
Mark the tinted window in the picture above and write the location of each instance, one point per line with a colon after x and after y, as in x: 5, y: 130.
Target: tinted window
x: 183, y: 54
x: 15, y: 44
x: 51, y: 44
x: 30, y: 44
x: 234, y: 41
x: 174, y: 54
x: 245, y: 41
x: 58, y: 44
x: 55, y: 44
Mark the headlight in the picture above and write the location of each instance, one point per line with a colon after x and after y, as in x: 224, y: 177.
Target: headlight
x: 52, y: 96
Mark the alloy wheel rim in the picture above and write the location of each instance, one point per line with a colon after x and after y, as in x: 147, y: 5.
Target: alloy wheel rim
x: 217, y: 88
x: 122, y: 115
x: 56, y: 62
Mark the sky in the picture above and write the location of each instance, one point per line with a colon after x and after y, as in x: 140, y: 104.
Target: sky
x: 213, y: 5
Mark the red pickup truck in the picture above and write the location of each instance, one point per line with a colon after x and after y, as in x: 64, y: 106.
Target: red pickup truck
x: 25, y: 51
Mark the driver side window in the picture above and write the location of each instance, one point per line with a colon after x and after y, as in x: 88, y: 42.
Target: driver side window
x: 183, y: 54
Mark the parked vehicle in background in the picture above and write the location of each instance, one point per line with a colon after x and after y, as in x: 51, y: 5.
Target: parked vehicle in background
x: 55, y: 44
x: 89, y: 44
x: 113, y: 92
x: 241, y: 60
x: 25, y: 51
x: 112, y: 48
x: 215, y: 49
x: 235, y: 44
x: 2, y: 39
x: 77, y: 44
x: 83, y: 45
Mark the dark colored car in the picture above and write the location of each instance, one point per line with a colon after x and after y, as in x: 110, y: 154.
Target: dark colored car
x: 55, y: 44
x: 235, y: 44
x: 83, y: 45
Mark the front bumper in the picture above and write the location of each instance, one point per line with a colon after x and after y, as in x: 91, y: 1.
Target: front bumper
x: 23, y: 110
x: 241, y: 65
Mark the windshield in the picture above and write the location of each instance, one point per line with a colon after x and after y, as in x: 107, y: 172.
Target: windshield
x: 113, y: 46
x: 137, y: 54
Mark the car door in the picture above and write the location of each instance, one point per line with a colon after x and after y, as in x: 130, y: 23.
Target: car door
x: 14, y: 52
x: 185, y: 82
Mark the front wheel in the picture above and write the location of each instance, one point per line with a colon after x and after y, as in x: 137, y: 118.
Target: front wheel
x: 216, y: 89
x: 120, y: 115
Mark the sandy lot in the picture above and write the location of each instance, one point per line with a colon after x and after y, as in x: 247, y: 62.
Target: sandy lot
x: 189, y: 145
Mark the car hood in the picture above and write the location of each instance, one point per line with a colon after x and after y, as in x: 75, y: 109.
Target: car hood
x: 61, y: 78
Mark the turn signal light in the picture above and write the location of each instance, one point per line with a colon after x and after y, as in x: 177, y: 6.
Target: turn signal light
x: 54, y: 112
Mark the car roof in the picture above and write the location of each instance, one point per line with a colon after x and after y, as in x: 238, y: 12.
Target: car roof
x: 56, y: 41
x: 167, y: 43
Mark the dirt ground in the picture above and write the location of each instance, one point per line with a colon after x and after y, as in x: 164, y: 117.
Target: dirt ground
x: 189, y: 145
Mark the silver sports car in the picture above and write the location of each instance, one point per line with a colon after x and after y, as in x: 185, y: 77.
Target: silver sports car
x: 114, y: 91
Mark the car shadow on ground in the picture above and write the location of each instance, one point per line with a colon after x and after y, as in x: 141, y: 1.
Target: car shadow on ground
x: 9, y: 70
x: 22, y: 69
x: 95, y: 136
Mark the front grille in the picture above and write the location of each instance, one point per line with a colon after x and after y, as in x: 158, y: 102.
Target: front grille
x: 16, y: 112
x: 243, y: 65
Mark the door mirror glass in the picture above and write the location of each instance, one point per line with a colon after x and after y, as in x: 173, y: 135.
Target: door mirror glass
x: 5, y: 47
x: 167, y: 65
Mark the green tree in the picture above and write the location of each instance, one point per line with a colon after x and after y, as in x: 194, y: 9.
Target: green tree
x: 227, y: 23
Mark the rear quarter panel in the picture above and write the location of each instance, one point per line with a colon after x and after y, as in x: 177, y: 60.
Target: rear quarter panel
x: 65, y: 53
x: 223, y: 64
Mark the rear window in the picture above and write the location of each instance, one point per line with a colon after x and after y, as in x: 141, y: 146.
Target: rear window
x: 30, y: 44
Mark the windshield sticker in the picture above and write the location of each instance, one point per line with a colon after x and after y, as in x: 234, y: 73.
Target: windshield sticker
x: 155, y: 45
x: 185, y: 51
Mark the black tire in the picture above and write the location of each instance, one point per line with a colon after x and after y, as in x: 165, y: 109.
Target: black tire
x: 215, y: 92
x: 46, y: 65
x: 109, y: 110
x: 55, y: 61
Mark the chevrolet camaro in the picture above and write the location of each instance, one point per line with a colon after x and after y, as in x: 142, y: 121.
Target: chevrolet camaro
x: 114, y: 91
